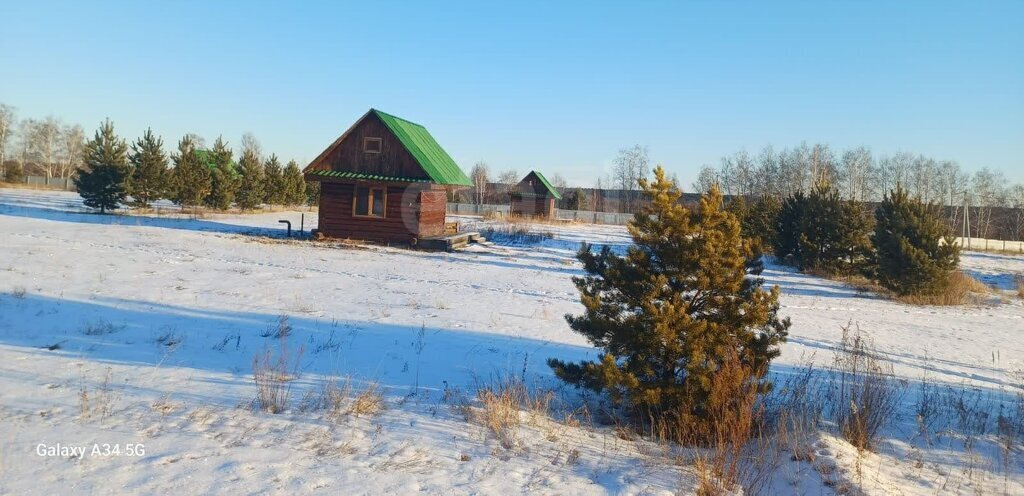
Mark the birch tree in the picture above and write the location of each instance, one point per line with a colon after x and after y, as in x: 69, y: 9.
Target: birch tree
x: 630, y: 167
x: 480, y: 176
x: 7, y: 120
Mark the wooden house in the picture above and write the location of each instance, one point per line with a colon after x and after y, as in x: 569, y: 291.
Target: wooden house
x: 385, y: 179
x: 534, y: 196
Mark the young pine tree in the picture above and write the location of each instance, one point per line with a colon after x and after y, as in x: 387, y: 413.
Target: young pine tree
x: 914, y: 251
x: 223, y: 178
x: 251, y: 186
x: 101, y: 178
x: 294, y: 185
x: 673, y: 310
x: 313, y: 193
x: 834, y: 233
x: 274, y: 191
x: 149, y: 176
x: 786, y: 244
x: 191, y: 177
x: 759, y: 222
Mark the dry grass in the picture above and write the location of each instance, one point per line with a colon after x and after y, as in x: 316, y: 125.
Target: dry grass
x: 96, y: 402
x: 514, y: 232
x: 501, y: 405
x: 274, y: 375
x: 869, y: 394
x: 741, y: 455
x: 960, y: 289
x: 339, y: 399
x: 1018, y: 281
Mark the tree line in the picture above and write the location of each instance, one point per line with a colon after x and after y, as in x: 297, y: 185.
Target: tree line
x: 114, y: 172
x: 995, y: 206
x: 46, y: 147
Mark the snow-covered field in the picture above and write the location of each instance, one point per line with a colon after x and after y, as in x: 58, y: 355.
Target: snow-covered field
x: 153, y: 322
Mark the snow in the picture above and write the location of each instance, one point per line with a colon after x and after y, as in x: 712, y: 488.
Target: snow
x: 160, y: 316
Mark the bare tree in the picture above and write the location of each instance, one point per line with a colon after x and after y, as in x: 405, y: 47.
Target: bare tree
x: 768, y: 172
x: 558, y: 182
x: 46, y: 140
x: 72, y: 147
x: 7, y: 120
x: 707, y: 178
x: 480, y: 177
x: 988, y: 191
x: 822, y: 164
x: 630, y: 166
x: 27, y: 153
x: 251, y: 146
x: 857, y: 174
x: 509, y: 178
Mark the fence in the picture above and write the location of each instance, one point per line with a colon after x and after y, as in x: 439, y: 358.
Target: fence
x: 50, y: 182
x: 982, y: 244
x: 574, y: 215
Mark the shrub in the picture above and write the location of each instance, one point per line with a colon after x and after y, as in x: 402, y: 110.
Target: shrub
x: 914, y: 251
x: 670, y: 312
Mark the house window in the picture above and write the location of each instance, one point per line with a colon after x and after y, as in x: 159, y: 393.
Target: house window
x: 369, y: 201
x: 372, y: 145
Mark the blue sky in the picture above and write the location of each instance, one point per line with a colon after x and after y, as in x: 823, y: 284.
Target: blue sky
x: 556, y: 86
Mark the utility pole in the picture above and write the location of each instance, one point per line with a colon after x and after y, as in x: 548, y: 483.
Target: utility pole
x: 967, y: 220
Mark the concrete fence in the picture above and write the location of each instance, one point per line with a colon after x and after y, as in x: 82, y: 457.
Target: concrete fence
x: 573, y: 215
x: 982, y: 244
x: 51, y: 182
x: 475, y: 209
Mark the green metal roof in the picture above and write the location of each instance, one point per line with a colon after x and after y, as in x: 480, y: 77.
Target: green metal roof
x: 207, y: 158
x: 367, y: 177
x: 551, y: 189
x: 434, y: 160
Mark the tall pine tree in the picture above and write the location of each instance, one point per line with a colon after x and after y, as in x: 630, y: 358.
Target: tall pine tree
x: 274, y: 191
x: 101, y: 178
x: 915, y: 253
x: 223, y: 177
x: 251, y: 187
x: 673, y: 310
x: 294, y: 185
x: 759, y: 221
x: 149, y: 175
x: 788, y: 224
x: 313, y: 193
x: 834, y: 233
x: 191, y: 175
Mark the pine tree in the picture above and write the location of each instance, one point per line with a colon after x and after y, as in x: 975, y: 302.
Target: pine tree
x: 834, y: 233
x: 294, y: 185
x: 14, y: 174
x: 223, y: 177
x: 191, y: 176
x: 149, y: 175
x: 759, y: 222
x: 251, y: 187
x: 313, y: 193
x: 673, y: 310
x: 101, y: 179
x: 273, y: 193
x: 788, y: 225
x: 915, y: 253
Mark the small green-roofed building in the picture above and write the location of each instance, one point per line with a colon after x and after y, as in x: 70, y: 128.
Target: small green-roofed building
x: 534, y: 196
x: 384, y: 179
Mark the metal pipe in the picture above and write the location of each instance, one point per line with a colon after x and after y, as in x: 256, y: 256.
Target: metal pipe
x: 289, y: 223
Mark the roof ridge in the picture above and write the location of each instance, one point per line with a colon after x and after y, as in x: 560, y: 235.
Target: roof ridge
x: 393, y: 116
